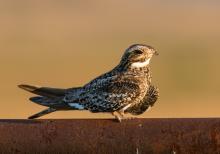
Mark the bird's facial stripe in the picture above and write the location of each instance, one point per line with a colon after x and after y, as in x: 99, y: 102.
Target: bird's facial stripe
x: 141, y: 64
x: 76, y: 105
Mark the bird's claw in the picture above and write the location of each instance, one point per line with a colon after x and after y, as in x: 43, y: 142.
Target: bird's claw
x: 130, y: 118
x: 119, y: 116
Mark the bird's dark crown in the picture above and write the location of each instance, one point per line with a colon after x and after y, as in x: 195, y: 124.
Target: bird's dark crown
x: 141, y: 45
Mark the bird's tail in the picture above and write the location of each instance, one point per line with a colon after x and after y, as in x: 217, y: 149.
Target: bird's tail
x: 49, y: 97
x: 56, y: 102
x: 42, y: 113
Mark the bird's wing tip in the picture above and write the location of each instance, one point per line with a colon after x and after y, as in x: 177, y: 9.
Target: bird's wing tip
x: 21, y: 85
x: 28, y: 87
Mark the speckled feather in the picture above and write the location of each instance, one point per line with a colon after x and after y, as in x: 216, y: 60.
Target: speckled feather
x: 126, y: 89
x: 149, y: 100
x: 112, y: 91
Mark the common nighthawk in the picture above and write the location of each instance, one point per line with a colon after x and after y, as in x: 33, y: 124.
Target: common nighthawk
x: 125, y: 89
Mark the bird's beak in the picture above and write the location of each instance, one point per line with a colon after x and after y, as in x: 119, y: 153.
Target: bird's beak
x: 156, y: 53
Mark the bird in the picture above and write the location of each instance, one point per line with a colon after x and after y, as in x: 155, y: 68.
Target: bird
x: 126, y: 89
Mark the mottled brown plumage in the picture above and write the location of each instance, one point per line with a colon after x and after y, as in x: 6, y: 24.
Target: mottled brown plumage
x: 125, y: 89
x: 149, y: 100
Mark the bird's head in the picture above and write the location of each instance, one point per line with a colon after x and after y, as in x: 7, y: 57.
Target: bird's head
x: 138, y: 55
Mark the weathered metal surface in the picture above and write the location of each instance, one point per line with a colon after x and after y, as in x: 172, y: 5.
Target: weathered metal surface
x: 143, y: 136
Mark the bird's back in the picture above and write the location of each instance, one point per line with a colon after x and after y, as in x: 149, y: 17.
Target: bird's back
x: 112, y: 91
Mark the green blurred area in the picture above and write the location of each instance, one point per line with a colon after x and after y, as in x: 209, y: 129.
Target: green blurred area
x: 67, y: 43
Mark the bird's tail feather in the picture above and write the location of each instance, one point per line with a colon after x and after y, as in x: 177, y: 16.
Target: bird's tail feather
x: 49, y: 102
x: 42, y: 113
x: 43, y: 91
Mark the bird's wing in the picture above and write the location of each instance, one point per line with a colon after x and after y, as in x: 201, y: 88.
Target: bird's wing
x: 45, y: 91
x: 148, y: 101
x: 107, y: 95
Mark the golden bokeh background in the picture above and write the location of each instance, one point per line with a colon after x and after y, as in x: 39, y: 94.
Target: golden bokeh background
x: 66, y: 43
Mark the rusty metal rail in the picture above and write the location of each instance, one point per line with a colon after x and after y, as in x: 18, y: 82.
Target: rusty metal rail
x: 141, y: 136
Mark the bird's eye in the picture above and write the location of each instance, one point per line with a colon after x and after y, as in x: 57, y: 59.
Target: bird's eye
x: 138, y: 52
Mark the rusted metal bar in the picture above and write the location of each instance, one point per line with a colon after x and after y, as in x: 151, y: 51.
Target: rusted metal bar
x: 141, y: 136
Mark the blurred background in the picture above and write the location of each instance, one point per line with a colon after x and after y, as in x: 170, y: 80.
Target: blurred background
x: 66, y: 43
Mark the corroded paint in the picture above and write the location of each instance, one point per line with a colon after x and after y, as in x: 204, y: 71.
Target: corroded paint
x: 162, y: 136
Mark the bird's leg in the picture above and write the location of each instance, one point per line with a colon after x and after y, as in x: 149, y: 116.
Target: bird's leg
x: 122, y: 111
x: 118, y: 117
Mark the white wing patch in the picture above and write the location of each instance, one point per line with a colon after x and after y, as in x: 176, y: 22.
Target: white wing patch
x: 149, y: 108
x: 141, y: 64
x: 77, y: 106
x: 126, y: 107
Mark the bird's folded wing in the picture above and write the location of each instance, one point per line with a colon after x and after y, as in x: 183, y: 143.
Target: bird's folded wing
x: 44, y: 91
x: 107, y: 96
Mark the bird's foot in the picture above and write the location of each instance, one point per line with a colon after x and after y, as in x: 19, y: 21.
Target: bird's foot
x: 129, y: 118
x: 117, y: 116
x: 121, y: 113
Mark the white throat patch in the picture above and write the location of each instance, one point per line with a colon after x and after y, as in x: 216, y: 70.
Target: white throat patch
x: 141, y: 64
